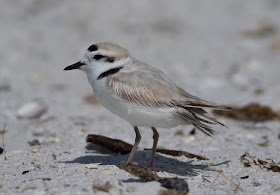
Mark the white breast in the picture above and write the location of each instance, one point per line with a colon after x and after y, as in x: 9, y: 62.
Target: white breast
x: 136, y: 115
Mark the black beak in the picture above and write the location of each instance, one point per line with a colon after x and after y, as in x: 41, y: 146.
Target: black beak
x: 75, y: 66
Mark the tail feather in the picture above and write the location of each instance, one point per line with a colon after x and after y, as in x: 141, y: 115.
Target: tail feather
x: 205, y: 114
x: 206, y: 130
x: 191, y: 115
x: 203, y: 105
x: 193, y: 112
x: 197, y: 123
x: 203, y: 120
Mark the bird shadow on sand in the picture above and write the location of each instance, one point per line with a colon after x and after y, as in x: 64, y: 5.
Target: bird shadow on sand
x: 162, y: 163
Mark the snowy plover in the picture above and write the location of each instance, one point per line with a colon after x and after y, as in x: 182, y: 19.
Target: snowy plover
x: 141, y: 94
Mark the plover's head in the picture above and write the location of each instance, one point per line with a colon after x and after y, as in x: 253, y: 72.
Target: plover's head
x: 100, y: 57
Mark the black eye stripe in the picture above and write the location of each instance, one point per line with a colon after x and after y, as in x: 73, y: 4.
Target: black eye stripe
x: 107, y: 59
x: 98, y: 57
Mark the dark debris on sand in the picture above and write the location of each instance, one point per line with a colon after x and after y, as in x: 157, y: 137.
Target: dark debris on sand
x: 247, y: 160
x: 251, y: 112
x: 173, y: 185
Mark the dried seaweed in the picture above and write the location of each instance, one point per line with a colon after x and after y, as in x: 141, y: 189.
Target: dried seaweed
x: 122, y: 147
x: 145, y: 173
x: 34, y: 142
x: 247, y: 160
x: 264, y: 29
x: 251, y: 112
x: 174, y: 185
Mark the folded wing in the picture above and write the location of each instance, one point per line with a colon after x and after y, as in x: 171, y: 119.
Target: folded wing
x: 147, y: 86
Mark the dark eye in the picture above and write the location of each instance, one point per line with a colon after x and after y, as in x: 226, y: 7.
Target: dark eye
x: 98, y: 57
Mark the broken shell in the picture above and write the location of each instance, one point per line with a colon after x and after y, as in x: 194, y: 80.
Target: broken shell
x: 33, y: 109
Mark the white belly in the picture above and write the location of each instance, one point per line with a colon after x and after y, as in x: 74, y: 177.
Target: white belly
x: 136, y: 115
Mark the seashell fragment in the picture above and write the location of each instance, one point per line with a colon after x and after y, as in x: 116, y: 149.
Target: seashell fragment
x: 33, y: 109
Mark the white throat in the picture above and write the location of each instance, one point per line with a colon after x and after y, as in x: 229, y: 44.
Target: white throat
x: 95, y: 70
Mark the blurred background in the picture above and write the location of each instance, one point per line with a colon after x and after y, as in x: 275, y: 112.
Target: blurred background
x: 223, y: 51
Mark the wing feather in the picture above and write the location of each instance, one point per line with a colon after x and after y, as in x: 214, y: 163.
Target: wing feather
x: 145, y: 85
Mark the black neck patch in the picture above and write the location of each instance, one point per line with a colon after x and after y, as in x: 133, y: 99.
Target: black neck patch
x: 109, y: 72
x: 92, y: 48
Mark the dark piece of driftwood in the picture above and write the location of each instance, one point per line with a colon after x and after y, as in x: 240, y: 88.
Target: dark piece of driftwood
x: 122, y: 147
x: 114, y: 145
x: 179, y: 153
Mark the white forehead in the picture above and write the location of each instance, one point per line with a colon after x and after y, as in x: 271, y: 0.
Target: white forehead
x: 101, y: 52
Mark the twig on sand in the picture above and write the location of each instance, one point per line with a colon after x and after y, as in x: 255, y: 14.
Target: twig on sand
x: 226, y: 177
x: 211, y: 188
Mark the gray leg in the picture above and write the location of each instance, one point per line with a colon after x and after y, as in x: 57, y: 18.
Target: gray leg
x: 155, y: 137
x: 137, y: 141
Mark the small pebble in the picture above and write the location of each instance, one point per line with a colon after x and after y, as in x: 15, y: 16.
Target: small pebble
x: 39, y: 132
x: 188, y: 138
x: 51, y: 140
x: 34, y: 151
x: 4, y: 86
x: 180, y: 185
x: 93, y: 166
x: 107, y: 172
